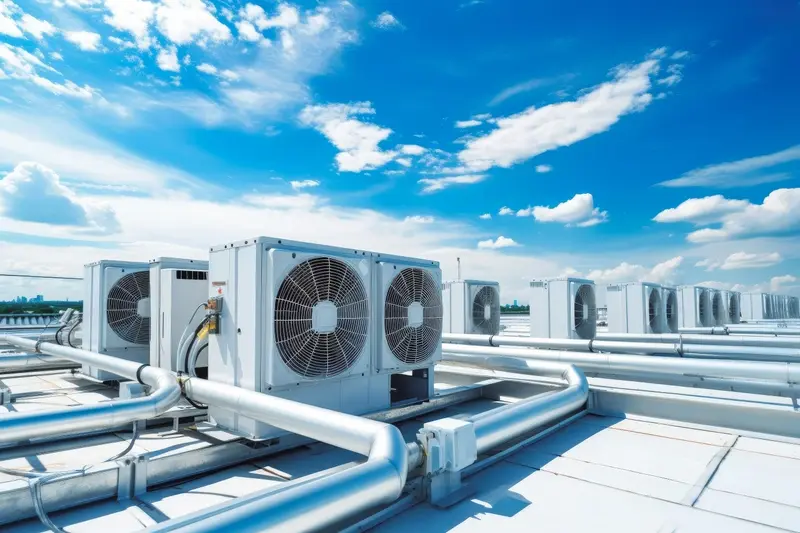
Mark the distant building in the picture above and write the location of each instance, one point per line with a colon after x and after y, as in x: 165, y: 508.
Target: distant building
x: 21, y: 300
x: 38, y: 299
x: 515, y: 303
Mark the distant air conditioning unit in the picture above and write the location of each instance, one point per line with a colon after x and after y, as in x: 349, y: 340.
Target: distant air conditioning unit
x: 669, y: 297
x: 719, y: 309
x: 635, y: 308
x: 116, y: 313
x: 732, y: 305
x: 563, y: 308
x: 695, y: 307
x: 471, y: 307
x: 753, y: 306
x: 794, y: 307
x: 296, y: 322
x: 185, y: 291
x: 769, y: 308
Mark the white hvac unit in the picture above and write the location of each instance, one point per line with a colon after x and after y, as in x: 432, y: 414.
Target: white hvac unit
x: 184, y: 292
x: 732, y: 303
x: 769, y: 308
x: 794, y: 307
x: 753, y: 306
x: 669, y: 297
x: 719, y: 309
x: 635, y: 308
x: 563, y: 308
x: 471, y: 307
x: 116, y: 311
x: 695, y: 307
x: 296, y: 322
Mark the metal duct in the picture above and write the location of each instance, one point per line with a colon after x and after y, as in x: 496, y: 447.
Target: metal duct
x: 164, y: 394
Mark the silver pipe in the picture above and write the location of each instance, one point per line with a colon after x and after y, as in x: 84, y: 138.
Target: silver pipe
x: 616, y: 364
x: 508, y: 422
x: 164, y: 394
x: 317, y: 504
x: 739, y: 329
x: 32, y: 361
x: 677, y: 338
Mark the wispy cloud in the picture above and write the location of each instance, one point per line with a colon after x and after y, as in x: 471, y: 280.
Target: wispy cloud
x: 527, y: 86
x: 432, y: 185
x: 740, y: 260
x: 304, y: 184
x: 386, y: 21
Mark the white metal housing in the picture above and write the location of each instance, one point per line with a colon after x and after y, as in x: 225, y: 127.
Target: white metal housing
x: 471, y: 307
x: 563, y: 308
x: 160, y: 349
x: 753, y: 306
x: 733, y: 308
x: 181, y: 291
x: 669, y: 298
x: 695, y: 307
x: 116, y: 313
x: 635, y: 308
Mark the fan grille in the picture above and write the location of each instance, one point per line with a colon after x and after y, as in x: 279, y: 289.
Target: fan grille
x: 672, y: 311
x: 585, y: 312
x: 733, y: 308
x: 409, y: 343
x: 702, y: 308
x: 321, y: 354
x: 716, y: 307
x: 654, y: 310
x: 122, y: 305
x: 486, y: 296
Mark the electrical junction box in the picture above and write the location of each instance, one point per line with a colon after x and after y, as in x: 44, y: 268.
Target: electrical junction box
x: 456, y: 444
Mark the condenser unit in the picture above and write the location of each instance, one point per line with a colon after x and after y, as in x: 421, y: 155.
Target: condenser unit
x: 719, y: 310
x: 695, y: 307
x: 753, y: 306
x: 296, y: 322
x: 731, y: 301
x: 635, y: 308
x: 669, y: 297
x: 184, y: 293
x: 116, y: 313
x: 471, y: 307
x: 794, y: 307
x: 563, y: 308
x: 769, y: 308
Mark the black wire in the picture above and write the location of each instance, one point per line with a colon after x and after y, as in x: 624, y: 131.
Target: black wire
x: 59, y: 330
x: 69, y: 334
x: 186, y: 362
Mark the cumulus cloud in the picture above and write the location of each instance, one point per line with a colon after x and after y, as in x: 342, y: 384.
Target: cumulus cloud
x: 665, y: 272
x: 486, y: 216
x: 471, y: 123
x: 505, y: 211
x: 739, y: 260
x: 432, y: 185
x: 386, y: 21
x: 578, y: 211
x: 85, y: 40
x: 133, y: 17
x: 34, y: 193
x: 167, y: 59
x: 420, y: 219
x: 500, y: 242
x: 304, y: 184
x: 411, y: 149
x: 543, y: 169
x: 701, y: 211
x: 741, y: 173
x: 187, y: 21
x: 35, y: 27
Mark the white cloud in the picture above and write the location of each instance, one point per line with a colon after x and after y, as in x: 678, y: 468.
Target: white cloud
x: 578, y: 211
x: 8, y: 25
x: 741, y: 173
x: 132, y: 16
x: 167, y: 59
x: 701, y: 211
x: 777, y: 283
x: 411, y: 149
x: 420, y: 219
x: 505, y: 211
x: 248, y: 32
x: 33, y: 193
x: 286, y: 17
x: 543, y: 169
x: 37, y: 28
x: 500, y: 242
x: 404, y: 161
x: 386, y: 21
x: 187, y: 21
x: 357, y: 141
x: 527, y: 86
x: 468, y: 123
x: 304, y: 184
x: 665, y: 272
x: 744, y: 260
x: 56, y: 56
x: 211, y: 70
x: 85, y: 40
x: 534, y: 131
x: 679, y: 54
x: 675, y: 75
x: 486, y: 216
x: 21, y: 65
x: 432, y: 185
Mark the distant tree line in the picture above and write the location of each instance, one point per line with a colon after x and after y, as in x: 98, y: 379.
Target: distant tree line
x: 13, y: 308
x: 510, y: 309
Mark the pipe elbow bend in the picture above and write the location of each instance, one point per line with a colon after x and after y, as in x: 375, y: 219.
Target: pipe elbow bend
x: 390, y: 446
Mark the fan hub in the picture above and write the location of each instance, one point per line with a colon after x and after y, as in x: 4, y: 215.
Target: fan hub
x: 416, y: 315
x: 487, y: 312
x: 143, y: 307
x: 324, y: 317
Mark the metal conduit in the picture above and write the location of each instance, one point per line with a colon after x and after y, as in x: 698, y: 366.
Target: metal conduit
x: 511, y: 421
x: 320, y: 503
x: 617, y: 364
x: 743, y: 330
x: 164, y: 394
x: 22, y: 362
x: 787, y: 355
x: 688, y: 338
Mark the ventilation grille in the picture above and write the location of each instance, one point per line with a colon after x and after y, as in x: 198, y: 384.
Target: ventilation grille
x: 538, y: 284
x: 122, y: 308
x: 409, y: 343
x: 733, y: 308
x: 654, y: 310
x: 716, y: 308
x: 585, y: 312
x: 672, y: 311
x: 191, y: 274
x: 321, y: 354
x: 702, y: 308
x: 486, y: 302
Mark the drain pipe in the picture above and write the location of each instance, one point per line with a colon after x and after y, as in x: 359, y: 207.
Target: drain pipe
x: 787, y: 355
x: 321, y: 503
x: 635, y: 365
x: 164, y: 394
x: 678, y: 338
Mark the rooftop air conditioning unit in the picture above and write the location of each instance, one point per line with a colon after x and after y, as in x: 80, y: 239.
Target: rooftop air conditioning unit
x: 695, y: 307
x: 563, y: 308
x: 295, y: 322
x: 752, y: 306
x: 184, y: 293
x: 116, y: 313
x: 794, y: 307
x: 669, y: 297
x: 471, y: 307
x: 719, y: 309
x: 768, y: 307
x: 732, y: 304
x: 635, y: 308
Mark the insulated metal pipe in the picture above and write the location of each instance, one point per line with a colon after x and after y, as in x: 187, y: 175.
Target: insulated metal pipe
x: 164, y: 394
x: 737, y: 329
x: 24, y: 362
x: 615, y: 364
x: 688, y: 338
x: 320, y: 503
x: 511, y: 421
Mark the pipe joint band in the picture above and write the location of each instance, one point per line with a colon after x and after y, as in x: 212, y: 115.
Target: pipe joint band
x: 590, y: 345
x: 139, y: 373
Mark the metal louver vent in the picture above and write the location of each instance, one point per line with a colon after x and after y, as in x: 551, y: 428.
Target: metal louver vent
x: 716, y: 308
x: 672, y: 311
x: 733, y: 308
x: 702, y: 308
x: 654, y: 310
x: 585, y: 312
x: 123, y: 307
x: 486, y: 311
x: 413, y: 316
x: 321, y: 318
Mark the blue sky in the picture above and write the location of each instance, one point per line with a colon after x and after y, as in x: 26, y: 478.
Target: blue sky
x: 652, y: 141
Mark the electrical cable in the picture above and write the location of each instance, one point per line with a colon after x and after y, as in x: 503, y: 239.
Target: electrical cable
x: 71, y: 330
x: 183, y: 338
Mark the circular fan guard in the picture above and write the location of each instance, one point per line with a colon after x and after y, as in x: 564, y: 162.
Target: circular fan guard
x: 672, y: 311
x: 654, y: 309
x: 311, y: 353
x: 122, y: 304
x: 716, y: 308
x: 702, y: 309
x: 408, y: 343
x: 585, y: 312
x: 487, y: 296
x: 733, y: 308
